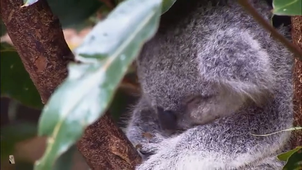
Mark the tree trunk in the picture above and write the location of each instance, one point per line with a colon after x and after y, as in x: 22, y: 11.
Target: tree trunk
x: 38, y: 38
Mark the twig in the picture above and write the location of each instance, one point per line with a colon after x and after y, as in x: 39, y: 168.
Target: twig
x: 246, y: 5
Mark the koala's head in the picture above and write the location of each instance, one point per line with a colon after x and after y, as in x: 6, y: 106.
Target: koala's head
x: 174, y: 87
x: 193, y: 110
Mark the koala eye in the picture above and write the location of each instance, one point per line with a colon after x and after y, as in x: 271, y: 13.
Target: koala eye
x: 194, y: 101
x: 167, y: 119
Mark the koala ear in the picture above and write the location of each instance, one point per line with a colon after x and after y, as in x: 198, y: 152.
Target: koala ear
x: 234, y: 61
x: 245, y: 91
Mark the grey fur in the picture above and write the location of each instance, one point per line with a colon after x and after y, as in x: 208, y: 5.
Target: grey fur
x: 225, y: 78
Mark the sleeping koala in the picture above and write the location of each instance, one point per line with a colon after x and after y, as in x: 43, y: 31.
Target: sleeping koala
x: 211, y: 78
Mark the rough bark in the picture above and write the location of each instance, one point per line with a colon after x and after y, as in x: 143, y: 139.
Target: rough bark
x: 38, y: 38
x: 107, y: 152
x: 297, y: 40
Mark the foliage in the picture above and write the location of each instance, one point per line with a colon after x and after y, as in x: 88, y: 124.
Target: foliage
x: 105, y: 56
x: 293, y: 159
x: 15, y: 81
x: 287, y: 7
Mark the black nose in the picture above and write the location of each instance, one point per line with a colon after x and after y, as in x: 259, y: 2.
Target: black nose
x: 167, y: 119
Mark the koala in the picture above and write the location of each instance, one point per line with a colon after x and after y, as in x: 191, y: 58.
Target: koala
x: 211, y: 78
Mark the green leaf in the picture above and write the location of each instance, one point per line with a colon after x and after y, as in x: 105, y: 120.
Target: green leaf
x: 287, y: 7
x: 294, y: 162
x: 28, y: 2
x: 86, y: 93
x: 2, y: 27
x: 15, y: 81
x: 74, y: 12
x: 286, y: 155
x: 12, y: 134
x: 166, y: 5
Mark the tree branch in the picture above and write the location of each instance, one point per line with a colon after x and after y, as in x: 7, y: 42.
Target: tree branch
x: 38, y: 38
x: 110, y: 151
x: 247, y: 6
x: 297, y: 40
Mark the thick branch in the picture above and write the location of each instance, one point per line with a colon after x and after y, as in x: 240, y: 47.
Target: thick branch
x: 103, y: 151
x: 297, y: 40
x: 38, y: 38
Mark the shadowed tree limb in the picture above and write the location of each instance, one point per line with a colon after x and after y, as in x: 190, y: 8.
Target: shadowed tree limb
x: 38, y: 38
x: 109, y: 152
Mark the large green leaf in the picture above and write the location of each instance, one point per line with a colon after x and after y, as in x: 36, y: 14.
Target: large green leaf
x: 293, y: 158
x: 286, y: 155
x: 287, y: 7
x: 15, y: 81
x: 106, y: 54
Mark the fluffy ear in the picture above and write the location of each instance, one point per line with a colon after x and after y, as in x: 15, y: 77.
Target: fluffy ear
x: 238, y: 64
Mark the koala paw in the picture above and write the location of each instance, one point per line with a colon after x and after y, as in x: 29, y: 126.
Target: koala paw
x: 146, y: 150
x: 165, y: 155
x: 160, y: 161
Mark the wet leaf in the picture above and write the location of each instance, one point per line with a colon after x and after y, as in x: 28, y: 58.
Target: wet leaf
x: 105, y: 55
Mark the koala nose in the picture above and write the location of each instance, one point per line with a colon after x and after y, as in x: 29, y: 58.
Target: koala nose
x: 167, y: 119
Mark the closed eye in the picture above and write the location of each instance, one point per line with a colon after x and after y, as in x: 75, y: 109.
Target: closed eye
x: 194, y: 100
x: 190, y: 99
